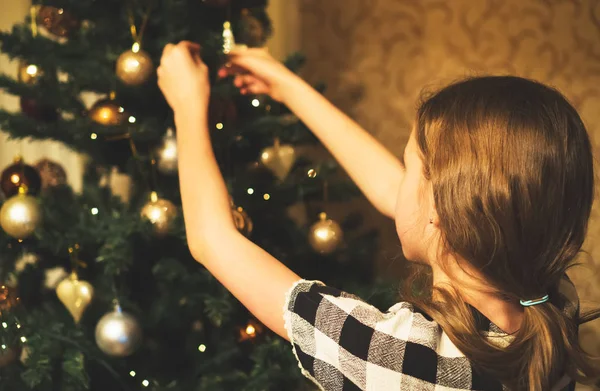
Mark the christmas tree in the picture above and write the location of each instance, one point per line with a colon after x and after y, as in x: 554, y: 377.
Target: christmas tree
x: 99, y: 291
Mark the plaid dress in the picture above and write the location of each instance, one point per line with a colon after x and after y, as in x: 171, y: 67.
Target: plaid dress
x: 345, y: 344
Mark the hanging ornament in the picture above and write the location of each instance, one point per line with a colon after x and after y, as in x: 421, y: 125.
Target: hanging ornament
x: 134, y: 67
x: 160, y: 212
x: 57, y: 21
x: 167, y: 154
x: 75, y: 294
x: 38, y: 111
x: 20, y: 215
x: 242, y: 221
x: 118, y: 333
x: 108, y: 112
x: 8, y: 298
x: 52, y: 173
x: 325, y: 235
x: 228, y: 38
x: 29, y: 73
x: 18, y: 174
x: 279, y: 159
x: 217, y: 3
x: 252, y: 30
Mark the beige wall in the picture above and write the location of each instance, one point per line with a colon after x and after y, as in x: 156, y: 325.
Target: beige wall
x: 377, y: 56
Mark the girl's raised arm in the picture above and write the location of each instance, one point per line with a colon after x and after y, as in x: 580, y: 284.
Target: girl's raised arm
x: 253, y: 276
x: 375, y: 170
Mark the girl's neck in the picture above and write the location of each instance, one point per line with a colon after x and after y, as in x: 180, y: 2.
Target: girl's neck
x: 506, y: 315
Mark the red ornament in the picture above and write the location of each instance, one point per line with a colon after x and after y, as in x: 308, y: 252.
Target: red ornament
x: 18, y: 174
x: 38, y: 111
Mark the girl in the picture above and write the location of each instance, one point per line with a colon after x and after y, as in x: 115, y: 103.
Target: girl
x: 494, y: 193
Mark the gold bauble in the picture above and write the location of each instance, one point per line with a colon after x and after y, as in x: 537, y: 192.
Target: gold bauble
x: 29, y: 73
x: 75, y: 294
x: 20, y: 215
x: 160, y: 212
x: 134, y: 67
x: 108, y: 112
x: 279, y: 159
x: 325, y: 235
x: 242, y: 221
x: 118, y: 333
x: 167, y: 154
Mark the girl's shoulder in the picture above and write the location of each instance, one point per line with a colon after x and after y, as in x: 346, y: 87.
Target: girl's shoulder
x: 343, y: 343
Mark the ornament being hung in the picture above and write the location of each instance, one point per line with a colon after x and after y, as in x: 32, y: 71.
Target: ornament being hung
x: 118, y: 333
x: 326, y: 235
x: 279, y: 159
x: 242, y: 221
x: 134, y: 67
x: 75, y: 294
x: 217, y: 3
x: 57, y: 21
x: 18, y: 174
x: 20, y: 215
x: 252, y: 30
x: 160, y: 212
x: 167, y: 154
x: 51, y: 173
x: 29, y: 73
x: 38, y: 111
x: 108, y: 112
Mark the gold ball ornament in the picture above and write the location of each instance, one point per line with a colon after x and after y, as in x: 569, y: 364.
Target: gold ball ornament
x: 326, y: 235
x: 134, y: 67
x: 29, y: 73
x: 20, y: 215
x: 167, y: 154
x: 242, y: 220
x: 108, y: 112
x: 118, y: 333
x: 160, y: 212
x: 75, y: 294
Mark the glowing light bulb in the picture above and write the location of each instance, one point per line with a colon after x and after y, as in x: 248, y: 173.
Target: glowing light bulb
x: 132, y: 373
x: 267, y: 197
x: 255, y: 102
x: 202, y: 348
x: 93, y: 136
x: 132, y: 119
x: 220, y: 126
x: 250, y: 190
x: 94, y: 211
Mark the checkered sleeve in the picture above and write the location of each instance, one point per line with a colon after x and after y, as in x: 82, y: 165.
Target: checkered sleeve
x: 343, y: 343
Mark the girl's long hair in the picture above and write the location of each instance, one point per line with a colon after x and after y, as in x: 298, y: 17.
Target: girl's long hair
x: 511, y: 167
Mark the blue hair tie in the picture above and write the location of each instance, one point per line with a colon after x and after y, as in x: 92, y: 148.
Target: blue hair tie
x: 529, y: 303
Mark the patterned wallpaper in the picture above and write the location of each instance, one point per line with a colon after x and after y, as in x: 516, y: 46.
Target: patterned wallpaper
x: 377, y: 56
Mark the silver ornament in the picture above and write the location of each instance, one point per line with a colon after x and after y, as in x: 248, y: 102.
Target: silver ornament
x: 118, y: 333
x: 20, y: 215
x: 167, y: 154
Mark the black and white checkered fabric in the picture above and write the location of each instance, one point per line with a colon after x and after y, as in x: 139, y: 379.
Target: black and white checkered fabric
x: 345, y: 344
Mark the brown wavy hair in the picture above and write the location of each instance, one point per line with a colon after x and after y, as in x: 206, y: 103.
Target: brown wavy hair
x: 511, y: 167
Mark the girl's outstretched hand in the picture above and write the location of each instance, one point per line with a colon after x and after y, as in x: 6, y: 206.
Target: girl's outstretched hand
x: 257, y: 72
x: 183, y: 77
